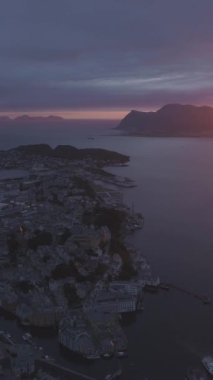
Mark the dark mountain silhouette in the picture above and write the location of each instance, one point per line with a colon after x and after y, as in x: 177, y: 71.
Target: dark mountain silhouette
x: 27, y: 119
x: 71, y: 153
x: 33, y: 121
x: 35, y: 149
x: 170, y: 120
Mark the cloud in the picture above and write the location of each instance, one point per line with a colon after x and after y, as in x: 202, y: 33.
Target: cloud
x: 72, y: 54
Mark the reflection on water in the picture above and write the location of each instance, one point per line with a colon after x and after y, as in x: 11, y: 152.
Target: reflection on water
x: 174, y: 192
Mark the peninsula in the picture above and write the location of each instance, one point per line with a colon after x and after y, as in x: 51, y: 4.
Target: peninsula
x: 64, y: 261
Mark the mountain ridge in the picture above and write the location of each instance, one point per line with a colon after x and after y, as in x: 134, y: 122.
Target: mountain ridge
x: 25, y: 118
x: 71, y: 153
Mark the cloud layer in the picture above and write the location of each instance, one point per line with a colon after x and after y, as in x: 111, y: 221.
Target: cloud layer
x: 96, y: 54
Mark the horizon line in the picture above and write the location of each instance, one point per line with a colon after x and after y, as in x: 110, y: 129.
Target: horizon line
x: 85, y: 115
x: 68, y: 115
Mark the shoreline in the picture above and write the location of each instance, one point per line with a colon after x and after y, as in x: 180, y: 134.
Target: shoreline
x: 107, y: 267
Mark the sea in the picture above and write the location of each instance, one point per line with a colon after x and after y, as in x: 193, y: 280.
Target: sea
x: 174, y: 192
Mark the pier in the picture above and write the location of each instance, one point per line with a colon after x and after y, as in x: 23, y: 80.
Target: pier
x: 202, y: 298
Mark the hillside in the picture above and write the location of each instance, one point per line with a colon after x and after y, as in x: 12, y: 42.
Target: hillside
x: 71, y: 153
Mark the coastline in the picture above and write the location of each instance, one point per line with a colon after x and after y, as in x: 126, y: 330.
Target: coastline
x: 108, y: 268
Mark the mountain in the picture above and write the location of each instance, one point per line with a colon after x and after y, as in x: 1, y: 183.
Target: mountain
x: 45, y: 119
x: 26, y: 119
x: 171, y: 120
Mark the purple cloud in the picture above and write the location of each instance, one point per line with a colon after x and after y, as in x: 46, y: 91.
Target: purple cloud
x: 76, y: 54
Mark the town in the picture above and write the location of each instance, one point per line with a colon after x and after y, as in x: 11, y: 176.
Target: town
x: 65, y: 262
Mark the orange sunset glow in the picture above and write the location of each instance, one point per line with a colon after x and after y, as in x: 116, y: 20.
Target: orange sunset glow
x: 74, y: 115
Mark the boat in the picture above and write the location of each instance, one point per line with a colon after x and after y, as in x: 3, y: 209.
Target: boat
x: 206, y: 300
x: 6, y: 337
x: 114, y: 375
x: 27, y: 337
x: 208, y: 364
x: 48, y: 358
x: 121, y: 354
x: 196, y: 374
x: 92, y: 356
x: 107, y: 355
x: 151, y: 288
x: 164, y: 286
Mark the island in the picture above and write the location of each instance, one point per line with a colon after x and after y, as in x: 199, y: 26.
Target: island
x: 172, y: 120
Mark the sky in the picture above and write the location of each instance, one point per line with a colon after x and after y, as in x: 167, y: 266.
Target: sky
x: 102, y: 58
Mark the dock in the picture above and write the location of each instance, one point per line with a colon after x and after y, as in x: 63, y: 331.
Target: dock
x: 203, y: 298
